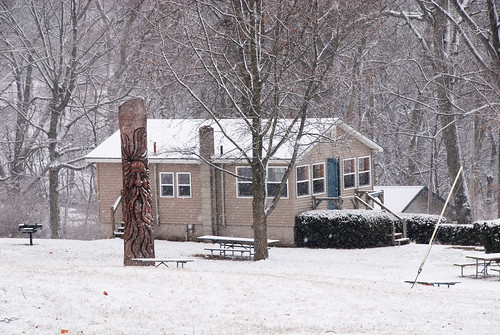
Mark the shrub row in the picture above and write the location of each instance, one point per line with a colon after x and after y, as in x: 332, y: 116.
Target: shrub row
x: 489, y: 232
x: 364, y: 229
x: 342, y: 229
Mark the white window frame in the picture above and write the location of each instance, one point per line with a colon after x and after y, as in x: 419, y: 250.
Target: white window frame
x: 162, y: 184
x: 353, y: 173
x: 307, y: 180
x: 369, y: 171
x: 276, y: 182
x: 184, y: 185
x: 322, y: 178
x: 242, y: 181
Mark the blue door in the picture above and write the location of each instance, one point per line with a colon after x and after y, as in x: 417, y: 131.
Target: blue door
x: 333, y: 174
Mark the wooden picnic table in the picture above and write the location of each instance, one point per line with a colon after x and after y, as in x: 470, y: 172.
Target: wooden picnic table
x: 230, y: 246
x: 484, y: 261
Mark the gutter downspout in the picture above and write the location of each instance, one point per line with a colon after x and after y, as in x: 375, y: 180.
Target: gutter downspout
x: 157, y: 199
x: 223, y: 196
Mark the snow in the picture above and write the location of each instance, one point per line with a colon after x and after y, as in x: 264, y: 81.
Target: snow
x: 82, y: 287
x: 397, y: 198
x: 178, y: 139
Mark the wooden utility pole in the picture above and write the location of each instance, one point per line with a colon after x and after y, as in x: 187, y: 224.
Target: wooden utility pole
x: 137, y: 200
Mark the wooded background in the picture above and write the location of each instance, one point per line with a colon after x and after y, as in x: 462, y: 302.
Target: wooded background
x: 420, y: 78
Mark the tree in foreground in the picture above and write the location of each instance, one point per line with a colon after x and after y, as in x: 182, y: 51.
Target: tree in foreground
x: 261, y: 62
x: 138, y: 214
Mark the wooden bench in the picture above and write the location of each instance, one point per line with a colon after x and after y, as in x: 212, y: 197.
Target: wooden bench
x: 225, y: 251
x: 462, y: 265
x: 496, y: 270
x: 158, y: 261
x: 425, y: 283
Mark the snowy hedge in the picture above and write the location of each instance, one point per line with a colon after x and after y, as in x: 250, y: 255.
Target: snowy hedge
x: 419, y: 227
x: 489, y: 232
x: 343, y: 229
x: 486, y: 233
x: 458, y: 234
x: 364, y: 229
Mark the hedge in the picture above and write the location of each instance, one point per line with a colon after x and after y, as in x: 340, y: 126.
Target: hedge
x: 489, y: 232
x: 343, y: 229
x: 364, y: 229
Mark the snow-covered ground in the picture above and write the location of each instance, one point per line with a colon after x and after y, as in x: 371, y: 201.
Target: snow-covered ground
x: 81, y: 287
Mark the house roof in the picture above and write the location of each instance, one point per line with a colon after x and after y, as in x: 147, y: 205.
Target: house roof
x: 399, y: 198
x: 178, y: 139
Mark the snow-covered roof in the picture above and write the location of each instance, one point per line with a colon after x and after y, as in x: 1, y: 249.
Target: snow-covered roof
x: 178, y: 139
x: 398, y: 198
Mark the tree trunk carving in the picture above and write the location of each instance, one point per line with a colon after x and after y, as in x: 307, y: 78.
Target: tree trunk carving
x: 138, y: 213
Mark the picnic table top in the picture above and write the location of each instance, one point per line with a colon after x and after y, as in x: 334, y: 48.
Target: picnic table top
x: 231, y: 239
x: 485, y: 257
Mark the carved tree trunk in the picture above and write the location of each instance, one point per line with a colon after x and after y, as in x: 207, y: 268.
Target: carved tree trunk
x: 138, y: 213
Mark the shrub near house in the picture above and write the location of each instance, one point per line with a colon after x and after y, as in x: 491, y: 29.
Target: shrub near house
x: 365, y: 229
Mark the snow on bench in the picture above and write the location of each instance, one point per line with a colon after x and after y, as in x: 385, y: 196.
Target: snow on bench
x: 462, y: 265
x: 163, y: 261
x: 496, y: 270
x: 224, y: 251
x: 438, y: 283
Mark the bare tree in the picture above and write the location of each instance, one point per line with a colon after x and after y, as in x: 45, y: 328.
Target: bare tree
x: 439, y: 48
x: 53, y: 49
x: 262, y: 61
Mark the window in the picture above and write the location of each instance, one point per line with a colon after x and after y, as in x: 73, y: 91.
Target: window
x: 303, y: 182
x: 184, y: 185
x: 244, y: 183
x: 349, y: 173
x: 167, y: 184
x: 318, y: 171
x: 364, y: 171
x: 274, y: 177
x: 273, y: 182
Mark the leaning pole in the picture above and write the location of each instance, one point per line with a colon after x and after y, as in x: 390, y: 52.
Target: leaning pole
x: 138, y: 238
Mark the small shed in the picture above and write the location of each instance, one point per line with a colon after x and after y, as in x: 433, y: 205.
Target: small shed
x: 414, y: 199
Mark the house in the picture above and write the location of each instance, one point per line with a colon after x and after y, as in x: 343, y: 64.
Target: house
x: 193, y: 198
x: 414, y: 199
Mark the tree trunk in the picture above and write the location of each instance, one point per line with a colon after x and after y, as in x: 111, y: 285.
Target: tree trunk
x: 55, y: 217
x: 139, y: 231
x: 258, y: 210
x: 443, y: 71
x: 453, y: 162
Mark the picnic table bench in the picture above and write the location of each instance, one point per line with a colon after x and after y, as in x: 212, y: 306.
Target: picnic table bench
x: 229, y: 246
x: 483, y: 263
x: 462, y: 266
x: 436, y: 283
x: 26, y: 228
x: 496, y: 270
x: 159, y: 261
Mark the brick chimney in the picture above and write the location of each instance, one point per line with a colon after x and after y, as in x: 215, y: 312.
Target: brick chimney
x: 207, y: 142
x: 208, y: 183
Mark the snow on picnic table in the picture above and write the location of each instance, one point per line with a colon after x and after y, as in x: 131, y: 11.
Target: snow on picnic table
x: 81, y: 287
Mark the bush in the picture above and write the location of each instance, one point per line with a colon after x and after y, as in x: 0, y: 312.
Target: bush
x: 364, y: 229
x: 343, y: 229
x: 459, y: 234
x: 489, y: 232
x: 419, y: 227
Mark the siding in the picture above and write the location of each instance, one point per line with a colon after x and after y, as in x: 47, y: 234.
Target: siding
x: 233, y: 215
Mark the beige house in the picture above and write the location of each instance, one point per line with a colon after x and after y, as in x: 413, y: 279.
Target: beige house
x: 196, y: 189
